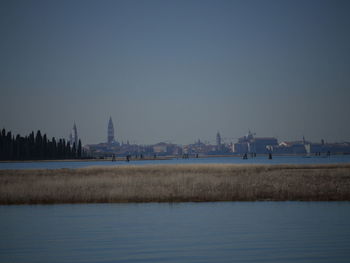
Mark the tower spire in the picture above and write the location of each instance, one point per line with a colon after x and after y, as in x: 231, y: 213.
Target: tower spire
x: 73, y: 137
x: 110, y: 131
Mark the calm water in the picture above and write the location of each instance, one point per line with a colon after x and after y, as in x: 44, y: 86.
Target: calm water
x: 186, y: 232
x: 257, y: 160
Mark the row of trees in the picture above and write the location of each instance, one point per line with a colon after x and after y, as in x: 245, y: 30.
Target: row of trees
x: 37, y: 147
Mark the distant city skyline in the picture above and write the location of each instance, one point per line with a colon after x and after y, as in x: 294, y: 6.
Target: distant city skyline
x: 176, y: 71
x: 218, y: 140
x: 111, y: 139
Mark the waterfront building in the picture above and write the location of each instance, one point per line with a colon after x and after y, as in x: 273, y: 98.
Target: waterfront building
x: 293, y: 147
x: 163, y: 148
x: 218, y: 142
x: 160, y: 148
x: 218, y: 139
x: 257, y: 145
x: 199, y: 148
x: 262, y: 144
x: 322, y: 148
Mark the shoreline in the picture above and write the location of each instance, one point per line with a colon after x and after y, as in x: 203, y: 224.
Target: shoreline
x: 169, y: 157
x: 119, y: 159
x: 176, y: 183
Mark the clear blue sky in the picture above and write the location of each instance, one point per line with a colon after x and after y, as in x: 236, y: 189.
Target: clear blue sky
x: 176, y: 70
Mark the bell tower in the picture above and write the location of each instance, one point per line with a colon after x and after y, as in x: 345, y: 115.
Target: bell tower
x: 110, y: 131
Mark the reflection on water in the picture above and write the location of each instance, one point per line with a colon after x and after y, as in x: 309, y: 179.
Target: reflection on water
x: 225, y: 160
x: 185, y: 232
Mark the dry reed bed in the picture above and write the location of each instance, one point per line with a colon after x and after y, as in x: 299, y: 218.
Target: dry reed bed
x: 176, y: 183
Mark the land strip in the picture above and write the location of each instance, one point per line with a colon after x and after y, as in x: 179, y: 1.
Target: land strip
x: 176, y: 183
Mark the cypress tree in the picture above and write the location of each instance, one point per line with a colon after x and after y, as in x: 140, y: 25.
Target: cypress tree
x: 31, y: 142
x: 44, y: 147
x: 17, y: 148
x: 8, y: 147
x: 79, y: 149
x: 64, y: 149
x: 36, y: 147
x: 69, y: 151
x: 50, y: 151
x: 1, y: 146
x: 74, y: 151
x: 39, y: 145
x: 26, y: 154
x: 59, y: 149
x: 54, y: 148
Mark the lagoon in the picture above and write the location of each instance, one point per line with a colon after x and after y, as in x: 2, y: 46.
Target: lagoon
x: 334, y: 159
x: 182, y: 232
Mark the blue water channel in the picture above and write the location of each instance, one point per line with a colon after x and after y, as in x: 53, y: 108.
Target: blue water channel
x: 225, y: 160
x: 184, y: 232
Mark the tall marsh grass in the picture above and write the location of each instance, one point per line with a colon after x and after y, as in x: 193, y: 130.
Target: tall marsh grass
x: 176, y: 183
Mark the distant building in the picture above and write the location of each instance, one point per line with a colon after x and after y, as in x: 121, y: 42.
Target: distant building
x: 160, y: 148
x: 343, y: 147
x: 199, y: 148
x: 218, y: 139
x: 262, y: 145
x: 110, y: 132
x: 163, y: 148
x: 218, y: 142
x: 306, y: 147
x: 251, y: 144
x: 334, y: 148
x: 73, y: 136
x: 240, y: 147
x: 293, y: 147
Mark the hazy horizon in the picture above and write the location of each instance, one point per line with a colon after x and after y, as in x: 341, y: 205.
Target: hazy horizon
x: 176, y: 71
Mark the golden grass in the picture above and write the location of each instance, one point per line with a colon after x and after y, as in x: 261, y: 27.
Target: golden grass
x: 176, y: 183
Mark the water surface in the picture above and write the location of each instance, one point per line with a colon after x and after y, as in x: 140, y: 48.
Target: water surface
x: 185, y: 232
x: 225, y: 160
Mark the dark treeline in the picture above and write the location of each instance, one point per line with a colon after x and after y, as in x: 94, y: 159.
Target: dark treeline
x: 37, y: 147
